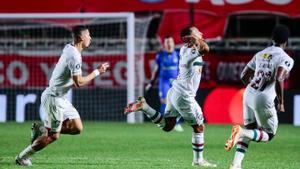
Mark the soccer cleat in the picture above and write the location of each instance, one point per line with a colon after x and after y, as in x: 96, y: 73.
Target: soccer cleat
x: 232, y: 140
x: 232, y: 166
x: 204, y: 163
x: 37, y: 129
x: 135, y: 106
x: 23, y: 161
x: 178, y: 128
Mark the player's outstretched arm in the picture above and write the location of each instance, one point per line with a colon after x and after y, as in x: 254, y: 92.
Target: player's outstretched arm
x: 247, y: 75
x: 83, y: 80
x: 279, y: 88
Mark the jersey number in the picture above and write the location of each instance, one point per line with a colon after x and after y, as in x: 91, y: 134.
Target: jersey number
x: 260, y: 81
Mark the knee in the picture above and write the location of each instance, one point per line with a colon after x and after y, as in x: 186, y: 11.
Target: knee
x: 77, y: 129
x: 271, y: 136
x: 170, y: 123
x: 168, y: 127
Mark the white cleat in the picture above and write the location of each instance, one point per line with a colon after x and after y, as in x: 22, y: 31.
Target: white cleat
x: 232, y: 166
x: 23, y: 161
x: 203, y: 163
x: 178, y: 128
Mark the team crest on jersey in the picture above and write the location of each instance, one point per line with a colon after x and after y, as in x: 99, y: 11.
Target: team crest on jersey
x: 287, y: 63
x: 77, y: 66
x: 193, y: 51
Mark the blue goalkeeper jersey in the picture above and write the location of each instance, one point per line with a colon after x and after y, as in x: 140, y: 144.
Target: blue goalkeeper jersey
x: 168, y: 71
x: 168, y: 64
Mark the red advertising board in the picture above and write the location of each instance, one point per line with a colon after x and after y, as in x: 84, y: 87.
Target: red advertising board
x: 35, y: 71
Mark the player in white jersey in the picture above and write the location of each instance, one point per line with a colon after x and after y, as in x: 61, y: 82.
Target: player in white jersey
x: 181, y: 97
x: 264, y: 76
x: 61, y: 117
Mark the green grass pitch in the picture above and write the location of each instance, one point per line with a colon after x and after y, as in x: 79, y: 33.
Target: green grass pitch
x: 125, y: 146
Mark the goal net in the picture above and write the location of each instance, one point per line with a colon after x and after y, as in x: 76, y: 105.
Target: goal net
x: 31, y: 44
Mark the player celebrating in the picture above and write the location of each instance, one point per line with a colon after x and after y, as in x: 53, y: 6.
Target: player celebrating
x: 61, y: 117
x: 264, y: 76
x: 166, y: 70
x: 181, y: 97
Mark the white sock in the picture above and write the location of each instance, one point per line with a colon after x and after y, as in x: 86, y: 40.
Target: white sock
x: 27, y: 152
x: 241, y: 149
x: 155, y: 116
x: 255, y: 135
x: 149, y: 111
x: 198, y: 145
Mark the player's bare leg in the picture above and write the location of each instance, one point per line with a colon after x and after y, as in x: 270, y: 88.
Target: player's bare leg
x: 37, y: 129
x: 72, y: 126
x: 177, y: 127
x: 44, y: 140
x: 198, y: 146
x: 170, y: 123
x: 39, y: 143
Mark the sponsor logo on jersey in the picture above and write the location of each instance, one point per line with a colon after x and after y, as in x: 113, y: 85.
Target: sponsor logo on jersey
x: 77, y: 66
x: 267, y: 56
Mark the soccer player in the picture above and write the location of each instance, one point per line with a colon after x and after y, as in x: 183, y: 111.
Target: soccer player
x: 264, y: 76
x: 181, y: 97
x: 61, y: 117
x: 166, y: 71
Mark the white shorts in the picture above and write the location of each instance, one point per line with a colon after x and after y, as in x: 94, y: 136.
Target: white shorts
x: 57, y: 109
x: 186, y: 107
x: 260, y: 108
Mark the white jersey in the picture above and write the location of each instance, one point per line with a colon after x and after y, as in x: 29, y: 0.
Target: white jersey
x: 190, y: 68
x: 68, y: 65
x: 265, y: 64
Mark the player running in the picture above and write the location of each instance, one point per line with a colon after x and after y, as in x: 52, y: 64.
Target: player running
x: 181, y: 97
x: 264, y: 76
x: 61, y: 117
x: 166, y: 70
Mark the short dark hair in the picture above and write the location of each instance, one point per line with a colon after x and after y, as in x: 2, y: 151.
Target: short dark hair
x: 280, y: 34
x: 76, y: 31
x: 186, y: 31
